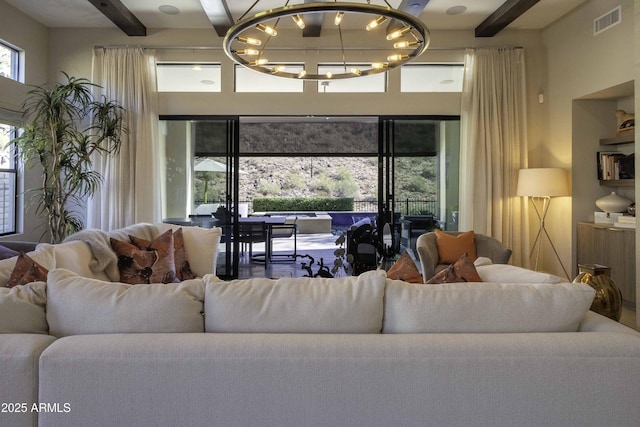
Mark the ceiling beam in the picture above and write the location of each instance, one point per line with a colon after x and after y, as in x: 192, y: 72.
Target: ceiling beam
x: 313, y: 22
x: 412, y: 7
x: 219, y: 15
x: 121, y: 16
x: 503, y: 16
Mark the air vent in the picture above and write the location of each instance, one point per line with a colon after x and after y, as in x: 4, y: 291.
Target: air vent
x: 608, y: 20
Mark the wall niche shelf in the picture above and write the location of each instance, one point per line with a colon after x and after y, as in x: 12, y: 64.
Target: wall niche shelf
x: 618, y: 182
x: 624, y: 139
x: 629, y: 138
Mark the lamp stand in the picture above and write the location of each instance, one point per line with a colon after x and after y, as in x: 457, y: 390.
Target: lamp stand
x: 542, y: 231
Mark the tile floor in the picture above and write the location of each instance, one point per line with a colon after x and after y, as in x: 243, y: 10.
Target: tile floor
x: 318, y: 246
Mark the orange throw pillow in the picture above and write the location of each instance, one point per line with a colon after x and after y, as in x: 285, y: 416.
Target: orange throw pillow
x: 462, y: 270
x: 451, y: 248
x: 405, y: 269
x: 26, y: 271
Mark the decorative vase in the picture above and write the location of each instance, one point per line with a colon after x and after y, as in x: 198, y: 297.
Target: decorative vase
x: 608, y: 299
x: 613, y: 203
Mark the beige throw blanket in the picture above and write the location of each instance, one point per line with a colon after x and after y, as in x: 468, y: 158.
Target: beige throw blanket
x: 104, y: 259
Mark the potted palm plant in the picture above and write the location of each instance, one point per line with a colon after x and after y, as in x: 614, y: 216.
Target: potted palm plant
x: 65, y: 127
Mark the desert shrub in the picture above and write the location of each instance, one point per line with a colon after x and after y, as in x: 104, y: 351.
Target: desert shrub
x: 301, y: 204
x: 293, y: 181
x: 418, y: 184
x: 267, y: 188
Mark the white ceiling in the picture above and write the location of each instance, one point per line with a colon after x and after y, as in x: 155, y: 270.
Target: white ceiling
x: 82, y: 14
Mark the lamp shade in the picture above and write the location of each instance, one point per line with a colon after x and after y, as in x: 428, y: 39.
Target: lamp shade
x: 543, y: 182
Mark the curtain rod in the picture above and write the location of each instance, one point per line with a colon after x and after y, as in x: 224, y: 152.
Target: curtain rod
x: 290, y: 48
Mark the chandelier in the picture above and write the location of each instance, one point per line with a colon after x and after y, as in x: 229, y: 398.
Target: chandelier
x: 389, y: 37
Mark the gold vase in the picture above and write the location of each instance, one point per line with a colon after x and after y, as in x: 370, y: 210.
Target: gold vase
x: 608, y: 299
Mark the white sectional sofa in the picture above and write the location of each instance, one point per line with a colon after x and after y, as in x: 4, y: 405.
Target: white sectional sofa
x: 82, y: 350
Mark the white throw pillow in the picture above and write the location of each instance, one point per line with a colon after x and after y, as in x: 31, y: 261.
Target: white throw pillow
x: 22, y: 309
x: 296, y: 305
x: 78, y: 305
x: 485, y: 307
x: 43, y: 255
x: 201, y: 246
x: 505, y: 273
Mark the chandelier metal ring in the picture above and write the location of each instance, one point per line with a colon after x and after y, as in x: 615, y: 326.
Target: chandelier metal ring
x: 417, y: 29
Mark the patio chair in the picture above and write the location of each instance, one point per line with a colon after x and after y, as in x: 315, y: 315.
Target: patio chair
x: 250, y: 233
x: 486, y: 246
x: 284, y: 231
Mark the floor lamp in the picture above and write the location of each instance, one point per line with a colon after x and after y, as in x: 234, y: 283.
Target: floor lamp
x: 541, y: 184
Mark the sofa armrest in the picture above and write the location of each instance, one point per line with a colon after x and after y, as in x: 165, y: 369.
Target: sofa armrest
x: 594, y: 322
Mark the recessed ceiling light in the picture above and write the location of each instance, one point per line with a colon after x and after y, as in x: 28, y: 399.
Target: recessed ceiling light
x: 167, y: 9
x: 456, y: 10
x: 207, y: 82
x: 446, y: 82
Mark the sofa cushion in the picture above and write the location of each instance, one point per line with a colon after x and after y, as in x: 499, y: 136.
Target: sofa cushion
x: 22, y: 309
x: 405, y: 269
x: 452, y: 247
x: 351, y: 304
x: 505, y: 273
x: 462, y: 270
x: 201, y: 246
x: 485, y: 307
x: 78, y: 305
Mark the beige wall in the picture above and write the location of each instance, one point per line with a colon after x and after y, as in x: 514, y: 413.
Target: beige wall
x: 581, y: 66
x: 70, y: 50
x: 22, y: 32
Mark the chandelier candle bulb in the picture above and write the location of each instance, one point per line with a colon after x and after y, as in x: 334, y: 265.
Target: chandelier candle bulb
x: 397, y: 57
x: 409, y: 33
x: 249, y: 40
x: 404, y: 44
x: 261, y: 61
x: 298, y: 20
x: 267, y: 29
x: 398, y: 33
x: 375, y: 23
x: 248, y: 52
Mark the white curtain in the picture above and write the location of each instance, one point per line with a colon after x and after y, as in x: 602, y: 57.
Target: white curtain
x: 494, y: 148
x: 131, y: 190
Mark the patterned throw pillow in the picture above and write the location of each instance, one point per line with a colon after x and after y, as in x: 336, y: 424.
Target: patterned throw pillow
x: 164, y: 269
x: 26, y: 271
x: 135, y: 265
x: 452, y: 247
x: 183, y: 268
x: 462, y: 270
x: 405, y: 269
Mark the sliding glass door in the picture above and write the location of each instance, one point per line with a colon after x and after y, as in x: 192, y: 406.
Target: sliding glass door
x: 201, y: 187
